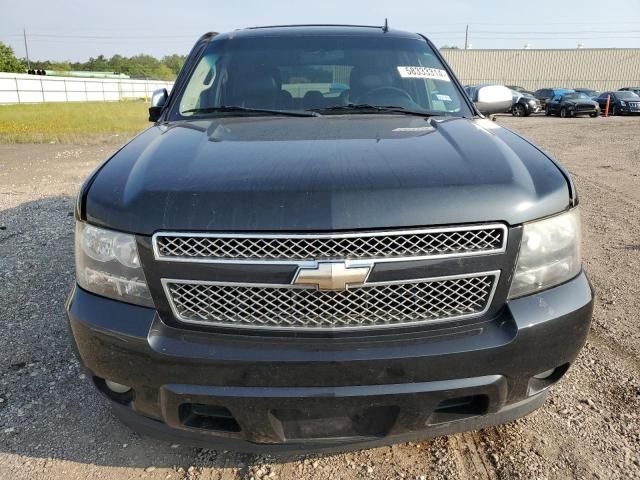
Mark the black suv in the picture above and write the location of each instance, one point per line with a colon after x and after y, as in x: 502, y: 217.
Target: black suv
x: 322, y: 244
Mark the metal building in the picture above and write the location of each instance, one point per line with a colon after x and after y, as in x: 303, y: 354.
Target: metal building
x: 597, y: 68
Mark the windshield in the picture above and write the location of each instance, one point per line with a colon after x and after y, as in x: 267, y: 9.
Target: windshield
x: 330, y: 74
x: 627, y: 95
x: 576, y: 96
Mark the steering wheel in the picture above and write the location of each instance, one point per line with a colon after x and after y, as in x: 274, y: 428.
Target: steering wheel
x: 392, y: 91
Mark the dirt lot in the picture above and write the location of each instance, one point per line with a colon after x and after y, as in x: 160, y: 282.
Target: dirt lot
x: 53, y: 424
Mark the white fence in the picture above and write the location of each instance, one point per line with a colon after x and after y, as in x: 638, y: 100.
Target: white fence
x: 23, y: 88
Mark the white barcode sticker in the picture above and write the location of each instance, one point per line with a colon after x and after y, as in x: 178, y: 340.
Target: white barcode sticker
x: 424, y: 72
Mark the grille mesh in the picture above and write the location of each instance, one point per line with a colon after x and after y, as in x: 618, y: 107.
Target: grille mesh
x: 368, y: 306
x: 387, y: 245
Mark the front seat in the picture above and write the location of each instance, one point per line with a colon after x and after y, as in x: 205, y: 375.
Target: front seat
x: 313, y: 99
x: 366, y: 79
x: 260, y: 88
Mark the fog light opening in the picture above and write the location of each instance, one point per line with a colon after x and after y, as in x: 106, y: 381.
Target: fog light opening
x: 543, y: 380
x: 545, y: 374
x: 116, y: 387
x: 119, y: 393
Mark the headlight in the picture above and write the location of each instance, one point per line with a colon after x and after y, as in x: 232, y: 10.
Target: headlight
x: 549, y: 254
x: 623, y: 103
x: 107, y: 264
x: 532, y: 102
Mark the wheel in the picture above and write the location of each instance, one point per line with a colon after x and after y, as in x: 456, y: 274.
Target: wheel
x: 614, y: 110
x: 547, y: 112
x: 594, y: 114
x: 518, y: 110
x: 564, y: 113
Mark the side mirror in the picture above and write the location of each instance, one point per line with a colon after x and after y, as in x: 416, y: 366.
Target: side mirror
x: 493, y: 99
x: 158, y: 102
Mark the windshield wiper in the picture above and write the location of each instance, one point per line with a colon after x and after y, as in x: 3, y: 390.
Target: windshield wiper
x: 239, y: 109
x: 367, y: 108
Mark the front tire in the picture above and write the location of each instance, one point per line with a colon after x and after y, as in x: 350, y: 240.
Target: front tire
x: 614, y: 111
x: 518, y: 110
x: 564, y: 113
x: 547, y: 112
x: 594, y: 114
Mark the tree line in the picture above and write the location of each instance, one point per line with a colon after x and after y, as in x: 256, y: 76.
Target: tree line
x: 138, y: 66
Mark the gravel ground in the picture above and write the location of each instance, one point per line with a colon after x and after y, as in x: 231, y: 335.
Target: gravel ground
x: 54, y: 425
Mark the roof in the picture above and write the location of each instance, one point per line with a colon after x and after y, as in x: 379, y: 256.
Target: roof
x: 301, y: 30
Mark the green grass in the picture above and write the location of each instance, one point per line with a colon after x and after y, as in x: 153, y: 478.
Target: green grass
x: 86, y: 122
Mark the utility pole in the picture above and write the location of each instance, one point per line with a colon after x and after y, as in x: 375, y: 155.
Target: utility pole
x: 26, y: 48
x: 466, y: 37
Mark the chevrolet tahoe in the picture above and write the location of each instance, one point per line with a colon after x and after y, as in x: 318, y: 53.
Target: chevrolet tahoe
x: 321, y: 243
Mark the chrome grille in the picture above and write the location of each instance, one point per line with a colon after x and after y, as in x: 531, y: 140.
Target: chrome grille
x: 368, y: 245
x: 374, y: 305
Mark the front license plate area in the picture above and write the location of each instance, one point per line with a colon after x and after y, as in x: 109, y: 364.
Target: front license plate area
x: 333, y: 422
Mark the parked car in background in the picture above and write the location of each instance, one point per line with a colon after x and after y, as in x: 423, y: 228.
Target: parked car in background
x: 546, y: 94
x: 593, y: 94
x: 620, y: 102
x: 520, y: 89
x: 572, y: 104
x: 524, y: 105
x: 635, y: 90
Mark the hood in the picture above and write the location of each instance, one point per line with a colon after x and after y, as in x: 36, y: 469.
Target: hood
x: 517, y: 95
x: 326, y: 173
x: 582, y: 101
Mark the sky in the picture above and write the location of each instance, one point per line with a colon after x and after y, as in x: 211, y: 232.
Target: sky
x: 75, y: 30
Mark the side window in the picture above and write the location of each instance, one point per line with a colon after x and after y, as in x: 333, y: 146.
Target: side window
x: 441, y: 95
x: 196, y: 93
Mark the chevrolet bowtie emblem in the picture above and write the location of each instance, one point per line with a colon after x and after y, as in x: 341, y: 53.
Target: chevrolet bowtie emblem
x: 331, y: 275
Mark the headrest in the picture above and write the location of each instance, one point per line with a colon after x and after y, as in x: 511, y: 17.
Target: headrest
x: 366, y: 79
x: 261, y: 80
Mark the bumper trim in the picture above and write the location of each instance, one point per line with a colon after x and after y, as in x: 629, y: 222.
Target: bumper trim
x: 254, y: 407
x: 161, y: 431
x: 333, y: 392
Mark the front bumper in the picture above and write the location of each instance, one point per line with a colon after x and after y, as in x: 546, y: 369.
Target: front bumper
x: 534, y: 108
x: 574, y: 112
x: 270, y: 394
x: 627, y: 110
